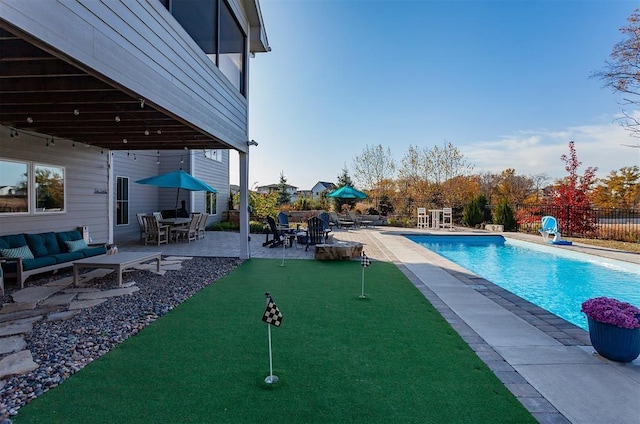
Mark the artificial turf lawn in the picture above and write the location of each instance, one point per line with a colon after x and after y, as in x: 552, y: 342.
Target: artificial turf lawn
x: 389, y: 358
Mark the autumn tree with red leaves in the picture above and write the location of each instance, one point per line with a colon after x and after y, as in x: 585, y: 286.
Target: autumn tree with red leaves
x: 571, y: 195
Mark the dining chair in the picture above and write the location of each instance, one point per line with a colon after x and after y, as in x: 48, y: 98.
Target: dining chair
x: 143, y: 229
x: 190, y: 232
x: 202, y: 226
x: 156, y: 233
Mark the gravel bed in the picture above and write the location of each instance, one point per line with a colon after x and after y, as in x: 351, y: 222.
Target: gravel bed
x: 61, y: 348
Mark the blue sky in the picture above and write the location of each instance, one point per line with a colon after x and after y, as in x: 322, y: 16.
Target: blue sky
x: 506, y: 82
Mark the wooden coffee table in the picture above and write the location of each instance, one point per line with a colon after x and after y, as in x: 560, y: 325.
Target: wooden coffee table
x: 118, y: 262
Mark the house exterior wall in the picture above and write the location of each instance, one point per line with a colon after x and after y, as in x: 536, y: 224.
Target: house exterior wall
x: 86, y: 186
x: 141, y: 47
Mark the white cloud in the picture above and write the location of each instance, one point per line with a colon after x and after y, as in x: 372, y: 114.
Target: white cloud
x: 538, y: 151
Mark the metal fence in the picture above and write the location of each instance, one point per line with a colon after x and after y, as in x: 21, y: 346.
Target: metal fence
x: 595, y: 223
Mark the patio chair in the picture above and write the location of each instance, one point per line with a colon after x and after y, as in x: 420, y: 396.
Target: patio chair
x: 447, y: 218
x: 339, y: 221
x: 550, y: 227
x: 202, y: 226
x: 315, y: 232
x: 353, y: 217
x: 423, y: 218
x: 283, y: 221
x: 277, y: 236
x: 143, y: 230
x: 326, y: 220
x: 190, y: 232
x: 156, y: 233
x: 158, y: 216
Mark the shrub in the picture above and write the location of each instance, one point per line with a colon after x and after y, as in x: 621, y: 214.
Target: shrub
x: 223, y: 226
x: 504, y: 216
x: 473, y: 212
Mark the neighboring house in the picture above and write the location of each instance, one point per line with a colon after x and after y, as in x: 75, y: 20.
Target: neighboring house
x: 275, y: 188
x: 98, y: 94
x: 322, y: 187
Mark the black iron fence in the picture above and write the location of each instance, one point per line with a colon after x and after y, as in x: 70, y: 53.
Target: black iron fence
x: 596, y: 223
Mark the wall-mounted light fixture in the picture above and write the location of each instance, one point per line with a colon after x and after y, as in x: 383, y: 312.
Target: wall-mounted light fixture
x: 252, y: 143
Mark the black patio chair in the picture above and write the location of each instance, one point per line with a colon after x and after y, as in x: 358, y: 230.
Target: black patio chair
x: 278, y: 237
x: 316, y: 233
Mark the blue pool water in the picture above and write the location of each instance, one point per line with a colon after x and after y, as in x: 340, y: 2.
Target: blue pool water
x: 555, y: 279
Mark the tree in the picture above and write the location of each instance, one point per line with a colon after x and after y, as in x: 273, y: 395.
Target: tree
x: 473, y: 212
x: 445, y: 163
x: 621, y: 189
x: 373, y: 166
x: 622, y: 73
x: 572, y: 194
x: 283, y: 191
x: 344, y: 180
x: 514, y: 188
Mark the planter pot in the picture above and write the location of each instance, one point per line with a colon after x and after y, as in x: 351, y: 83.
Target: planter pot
x: 615, y: 343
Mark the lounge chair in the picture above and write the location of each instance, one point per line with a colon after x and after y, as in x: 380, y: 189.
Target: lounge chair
x: 352, y: 217
x: 550, y: 227
x: 340, y: 221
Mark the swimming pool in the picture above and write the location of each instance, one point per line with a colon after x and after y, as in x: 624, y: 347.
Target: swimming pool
x: 553, y: 278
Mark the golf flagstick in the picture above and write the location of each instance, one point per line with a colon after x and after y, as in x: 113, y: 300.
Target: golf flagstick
x: 365, y: 262
x: 284, y: 245
x: 272, y: 316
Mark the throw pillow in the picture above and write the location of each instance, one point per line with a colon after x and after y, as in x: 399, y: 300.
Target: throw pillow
x: 22, y: 252
x: 76, y: 245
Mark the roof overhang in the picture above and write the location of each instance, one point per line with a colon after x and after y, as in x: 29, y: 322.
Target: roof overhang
x: 69, y: 87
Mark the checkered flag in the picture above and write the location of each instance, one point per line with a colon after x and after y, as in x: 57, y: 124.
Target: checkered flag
x: 272, y: 314
x: 365, y: 261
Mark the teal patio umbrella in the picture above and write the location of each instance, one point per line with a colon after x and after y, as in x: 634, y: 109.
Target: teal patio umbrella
x: 347, y: 192
x: 180, y: 180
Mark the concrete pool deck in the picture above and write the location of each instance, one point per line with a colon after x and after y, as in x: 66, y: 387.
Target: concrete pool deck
x: 546, y: 362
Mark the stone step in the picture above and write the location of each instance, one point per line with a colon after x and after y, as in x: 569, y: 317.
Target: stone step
x: 12, y: 344
x: 17, y: 363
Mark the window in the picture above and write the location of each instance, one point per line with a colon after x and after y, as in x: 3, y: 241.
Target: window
x: 231, y: 49
x: 213, y: 154
x: 210, y: 205
x: 14, y: 187
x: 212, y: 25
x: 122, y: 201
x: 49, y: 188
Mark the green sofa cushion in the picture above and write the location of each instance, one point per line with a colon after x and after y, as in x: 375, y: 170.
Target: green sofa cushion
x: 43, y: 244
x: 94, y: 251
x: 67, y: 257
x: 28, y: 264
x: 12, y: 240
x: 75, y: 245
x: 65, y: 236
x: 22, y: 252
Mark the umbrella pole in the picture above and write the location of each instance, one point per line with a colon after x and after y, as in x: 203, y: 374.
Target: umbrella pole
x: 177, y: 197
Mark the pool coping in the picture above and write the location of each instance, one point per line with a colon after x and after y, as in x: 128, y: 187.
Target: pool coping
x: 544, y: 404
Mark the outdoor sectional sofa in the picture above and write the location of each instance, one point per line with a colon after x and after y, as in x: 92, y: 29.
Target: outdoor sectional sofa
x: 23, y: 255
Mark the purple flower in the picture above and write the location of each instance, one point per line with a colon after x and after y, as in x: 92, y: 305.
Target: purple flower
x: 612, y: 311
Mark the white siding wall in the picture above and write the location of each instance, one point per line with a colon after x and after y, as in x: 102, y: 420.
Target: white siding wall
x: 142, y: 198
x: 86, y: 170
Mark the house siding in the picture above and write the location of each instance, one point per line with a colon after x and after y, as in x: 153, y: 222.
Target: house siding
x: 141, y: 47
x: 86, y: 176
